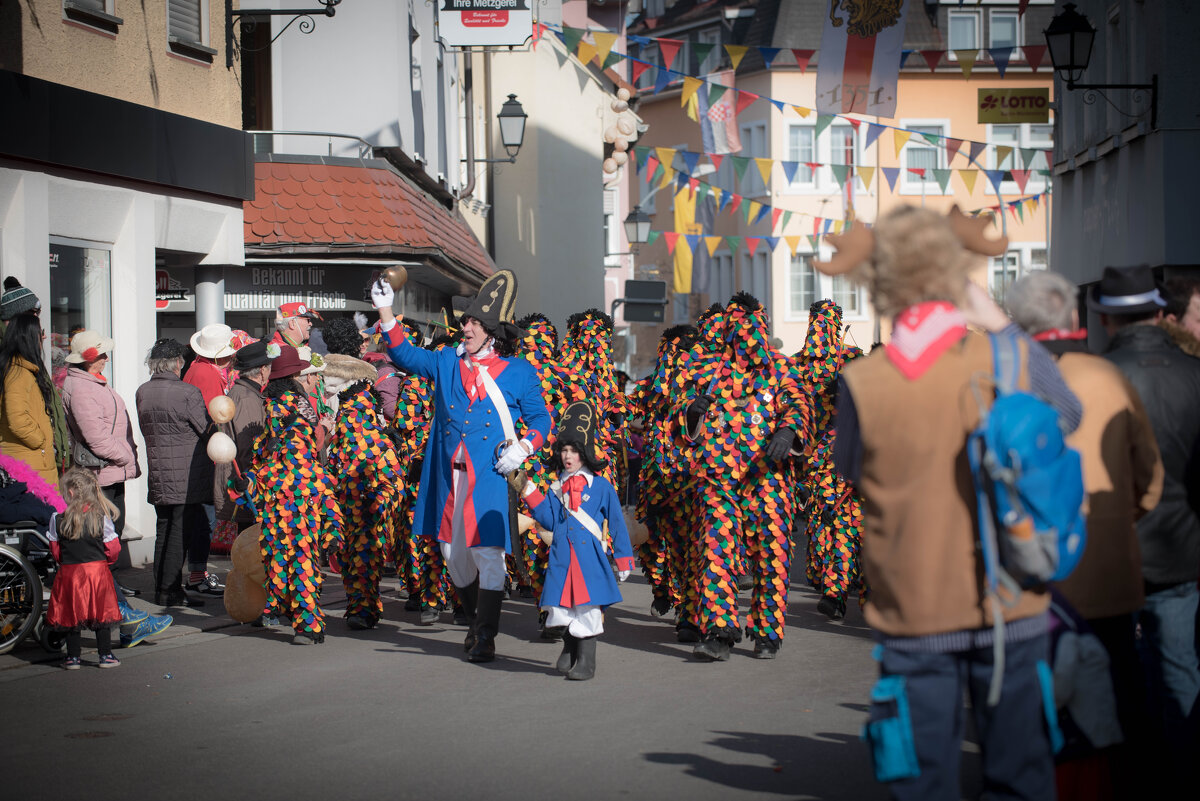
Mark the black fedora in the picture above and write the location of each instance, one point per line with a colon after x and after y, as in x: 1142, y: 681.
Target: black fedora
x: 1126, y: 290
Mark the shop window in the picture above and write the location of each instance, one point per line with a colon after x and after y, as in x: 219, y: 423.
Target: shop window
x: 80, y: 292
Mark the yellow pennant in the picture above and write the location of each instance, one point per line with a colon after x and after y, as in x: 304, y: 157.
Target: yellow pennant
x: 667, y: 177
x: 666, y: 156
x: 968, y: 179
x: 793, y: 242
x: 736, y: 52
x: 752, y: 210
x: 900, y: 137
x: 1002, y: 153
x: 866, y: 173
x: 586, y: 52
x: 764, y: 168
x: 604, y: 43
x: 802, y: 111
x: 690, y: 87
x: 966, y: 61
x: 712, y: 243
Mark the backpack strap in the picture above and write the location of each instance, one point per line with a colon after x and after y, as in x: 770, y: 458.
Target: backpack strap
x: 1006, y: 363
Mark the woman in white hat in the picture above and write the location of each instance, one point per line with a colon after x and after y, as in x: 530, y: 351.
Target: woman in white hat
x: 209, y: 372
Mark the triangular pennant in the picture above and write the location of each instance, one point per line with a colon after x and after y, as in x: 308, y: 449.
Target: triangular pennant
x: 891, y: 174
x: 669, y: 48
x: 966, y: 61
x: 917, y: 171
x: 658, y: 174
x: 1021, y: 6
x: 837, y: 226
x: 1018, y: 210
x: 932, y: 57
x: 681, y: 182
x: 814, y: 243
x: 762, y: 211
x: 775, y: 215
x: 1000, y: 57
x: 739, y: 166
x: 1021, y: 177
x: 802, y: 58
x: 744, y: 99
x: 666, y: 155
x: 702, y: 49
x: 690, y: 160
x: 952, y: 146
x: 752, y: 243
x: 899, y: 139
x: 803, y: 111
x: 789, y: 170
x: 772, y: 242
x: 823, y: 121
x: 692, y: 240
x: 604, y: 43
x: 974, y: 149
x: 736, y: 53
x: 904, y: 54
x: 734, y: 243
x: 693, y: 185
x: 840, y: 173
x: 779, y: 104
x: 768, y: 55
x: 942, y: 177
x: 1002, y: 153
x: 586, y: 52
x: 751, y: 211
x: 642, y: 40
x: 793, y: 242
x: 613, y: 59
x: 635, y: 71
x: 700, y: 189
x: 723, y: 197
x: 652, y: 237
x: 866, y: 174
x: 1028, y: 156
x: 764, y: 168
x: 571, y: 37
x: 716, y: 159
x: 672, y: 238
x: 661, y: 79
x: 968, y: 179
x: 715, y: 90
x: 712, y: 243
x: 873, y: 132
x: 787, y: 217
x: 640, y: 152
x: 735, y: 202
x: 995, y: 176
x: 668, y: 175
x: 690, y: 87
x: 1034, y: 55
x: 826, y: 224
x: 932, y: 139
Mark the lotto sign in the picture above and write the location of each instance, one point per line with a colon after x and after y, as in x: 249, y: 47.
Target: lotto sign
x: 485, y: 23
x: 1014, y: 105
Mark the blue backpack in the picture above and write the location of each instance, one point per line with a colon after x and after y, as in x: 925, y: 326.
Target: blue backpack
x: 1029, y: 488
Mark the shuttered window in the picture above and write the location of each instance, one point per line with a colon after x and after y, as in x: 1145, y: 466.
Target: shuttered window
x: 184, y: 19
x: 92, y: 13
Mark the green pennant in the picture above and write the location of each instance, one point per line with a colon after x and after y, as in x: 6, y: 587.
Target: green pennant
x: 715, y: 90
x: 823, y: 121
x: 639, y: 155
x: 943, y: 178
x: 787, y: 215
x: 652, y: 237
x: 1021, y: 211
x: 658, y: 173
x: 734, y: 243
x: 745, y: 210
x: 840, y: 172
x: 814, y: 243
x: 571, y: 37
x: 933, y: 139
x: 1028, y: 154
x: 701, y: 192
x: 702, y: 49
x: 739, y: 166
x: 612, y: 59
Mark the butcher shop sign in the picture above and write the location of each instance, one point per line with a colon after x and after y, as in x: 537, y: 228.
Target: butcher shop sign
x: 485, y: 23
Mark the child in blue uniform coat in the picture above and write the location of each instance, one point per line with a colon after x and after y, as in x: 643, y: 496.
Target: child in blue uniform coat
x: 579, y: 581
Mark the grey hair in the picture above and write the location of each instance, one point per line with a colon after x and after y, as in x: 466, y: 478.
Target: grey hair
x: 281, y: 324
x: 171, y: 364
x: 1042, y: 301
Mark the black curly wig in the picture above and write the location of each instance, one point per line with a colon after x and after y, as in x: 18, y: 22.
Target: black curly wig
x: 716, y: 308
x: 579, y: 318
x: 342, y: 337
x: 746, y: 301
x: 686, y: 334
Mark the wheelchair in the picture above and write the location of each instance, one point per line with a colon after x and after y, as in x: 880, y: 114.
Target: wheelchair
x: 26, y: 574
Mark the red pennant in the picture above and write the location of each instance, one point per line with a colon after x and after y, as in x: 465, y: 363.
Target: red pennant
x: 639, y: 67
x: 669, y: 48
x: 672, y: 238
x: 651, y: 165
x: 716, y: 159
x: 734, y: 204
x: 1021, y: 6
x: 917, y: 171
x: 744, y: 100
x: 853, y: 122
x: 693, y: 184
x: 932, y: 57
x: 752, y: 243
x: 952, y: 146
x: 802, y: 58
x: 775, y: 215
x: 812, y: 165
x: 1034, y: 55
x: 1022, y: 178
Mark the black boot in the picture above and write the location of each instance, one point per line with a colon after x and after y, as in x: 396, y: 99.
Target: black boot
x: 585, y: 659
x: 469, y: 595
x: 713, y: 649
x: 487, y: 626
x: 832, y: 607
x: 569, y: 654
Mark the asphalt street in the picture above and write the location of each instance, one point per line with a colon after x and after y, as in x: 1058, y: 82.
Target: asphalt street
x: 213, y: 709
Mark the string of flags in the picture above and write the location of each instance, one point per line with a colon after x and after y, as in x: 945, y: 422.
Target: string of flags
x: 600, y: 48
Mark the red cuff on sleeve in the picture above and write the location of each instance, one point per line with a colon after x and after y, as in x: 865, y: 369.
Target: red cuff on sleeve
x: 534, y: 498
x: 625, y: 563
x: 56, y: 551
x: 536, y: 440
x: 112, y: 549
x: 395, y: 335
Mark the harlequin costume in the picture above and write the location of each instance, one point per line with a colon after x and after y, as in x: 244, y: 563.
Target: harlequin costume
x: 759, y: 418
x: 832, y: 509
x: 579, y: 581
x: 299, y: 512
x: 362, y: 461
x: 463, y: 499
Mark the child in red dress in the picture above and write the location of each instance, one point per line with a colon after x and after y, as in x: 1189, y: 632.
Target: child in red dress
x: 84, y: 543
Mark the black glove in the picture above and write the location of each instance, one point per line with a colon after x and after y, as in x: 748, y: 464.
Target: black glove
x: 780, y: 445
x: 698, y: 408
x: 239, y: 483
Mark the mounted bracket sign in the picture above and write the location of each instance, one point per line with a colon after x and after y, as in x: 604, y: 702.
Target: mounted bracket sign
x: 484, y: 23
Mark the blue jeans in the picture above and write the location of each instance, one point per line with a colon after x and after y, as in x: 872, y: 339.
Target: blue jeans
x: 1168, y: 647
x: 1017, y: 758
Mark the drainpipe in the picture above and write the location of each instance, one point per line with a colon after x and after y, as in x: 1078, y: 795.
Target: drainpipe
x: 469, y: 101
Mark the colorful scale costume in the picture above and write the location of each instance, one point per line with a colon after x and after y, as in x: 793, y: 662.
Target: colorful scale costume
x: 370, y: 480
x: 833, y: 510
x: 299, y: 513
x: 744, y: 497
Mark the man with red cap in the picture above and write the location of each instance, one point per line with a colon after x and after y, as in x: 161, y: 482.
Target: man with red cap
x: 293, y: 324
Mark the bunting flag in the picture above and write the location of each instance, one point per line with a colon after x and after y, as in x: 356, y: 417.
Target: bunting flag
x: 932, y: 57
x: 586, y: 52
x: 1000, y: 57
x: 975, y: 148
x: 966, y: 61
x: 860, y: 65
x: 995, y: 176
x: 604, y: 43
x: 736, y: 54
x: 1021, y: 177
x: 1034, y: 55
x: 690, y: 87
x: 952, y: 146
x: 718, y: 118
x: 866, y: 174
x: 764, y: 169
x: 900, y: 138
x: 1002, y: 153
x: 636, y: 70
x: 802, y: 58
x: 793, y: 242
x: 768, y: 55
x: 891, y: 174
x: 669, y: 48
x: 968, y: 179
x: 873, y: 132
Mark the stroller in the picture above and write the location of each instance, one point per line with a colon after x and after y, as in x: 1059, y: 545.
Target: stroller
x: 26, y: 573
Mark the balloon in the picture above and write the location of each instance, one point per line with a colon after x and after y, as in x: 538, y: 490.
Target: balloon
x: 222, y: 409
x: 620, y: 156
x: 626, y: 127
x: 245, y: 598
x: 396, y: 276
x: 247, y: 556
x: 221, y: 449
x: 623, y: 94
x: 609, y: 166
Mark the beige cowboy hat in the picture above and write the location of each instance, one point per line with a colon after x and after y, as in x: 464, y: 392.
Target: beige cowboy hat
x: 314, y: 362
x: 87, y: 346
x: 213, y: 341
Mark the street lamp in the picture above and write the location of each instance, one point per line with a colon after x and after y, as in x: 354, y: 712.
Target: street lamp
x: 637, y: 226
x: 512, y: 126
x: 1069, y: 39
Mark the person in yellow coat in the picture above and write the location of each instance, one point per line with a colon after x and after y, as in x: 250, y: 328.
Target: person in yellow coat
x: 26, y: 431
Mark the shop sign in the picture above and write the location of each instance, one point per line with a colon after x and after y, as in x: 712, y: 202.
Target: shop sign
x: 263, y: 288
x: 485, y: 23
x: 1010, y: 106
x: 171, y: 294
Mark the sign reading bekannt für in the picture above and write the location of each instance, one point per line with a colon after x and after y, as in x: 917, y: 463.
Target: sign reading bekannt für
x: 485, y: 23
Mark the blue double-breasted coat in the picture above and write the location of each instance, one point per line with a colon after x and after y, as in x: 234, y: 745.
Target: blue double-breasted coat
x: 475, y: 424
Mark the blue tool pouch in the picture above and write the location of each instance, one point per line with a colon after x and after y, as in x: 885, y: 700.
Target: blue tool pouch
x: 888, y: 732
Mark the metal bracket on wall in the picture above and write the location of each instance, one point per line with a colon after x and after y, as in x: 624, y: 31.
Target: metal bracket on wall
x: 247, y: 18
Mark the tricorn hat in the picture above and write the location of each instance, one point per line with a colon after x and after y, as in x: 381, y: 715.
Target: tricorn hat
x: 578, y: 427
x: 494, y: 304
x: 1126, y: 290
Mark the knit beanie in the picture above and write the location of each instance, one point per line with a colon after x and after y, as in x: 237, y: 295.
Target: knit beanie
x: 16, y: 299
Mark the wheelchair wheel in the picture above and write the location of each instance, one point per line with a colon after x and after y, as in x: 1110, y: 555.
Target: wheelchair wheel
x: 52, y: 641
x: 20, y: 598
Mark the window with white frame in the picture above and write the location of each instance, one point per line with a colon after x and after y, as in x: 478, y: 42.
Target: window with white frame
x: 98, y: 14
x: 712, y: 61
x: 921, y: 154
x: 1039, y: 259
x: 1002, y: 272
x: 187, y: 28
x: 964, y: 31
x: 1004, y: 29
x: 801, y: 147
x: 848, y: 295
x: 754, y: 145
x: 1024, y: 136
x: 802, y: 284
x: 721, y: 288
x: 843, y: 148
x: 612, y: 227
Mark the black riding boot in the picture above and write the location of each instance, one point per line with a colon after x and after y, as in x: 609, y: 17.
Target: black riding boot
x: 469, y: 595
x: 585, y: 659
x: 487, y: 626
x: 569, y: 654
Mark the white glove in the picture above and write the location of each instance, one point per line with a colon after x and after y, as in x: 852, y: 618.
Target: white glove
x: 382, y: 294
x: 622, y: 575
x: 513, y: 457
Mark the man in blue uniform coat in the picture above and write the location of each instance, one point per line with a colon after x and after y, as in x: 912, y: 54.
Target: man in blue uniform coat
x: 479, y: 394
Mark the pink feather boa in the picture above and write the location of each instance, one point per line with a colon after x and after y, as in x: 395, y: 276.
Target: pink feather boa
x: 33, y: 482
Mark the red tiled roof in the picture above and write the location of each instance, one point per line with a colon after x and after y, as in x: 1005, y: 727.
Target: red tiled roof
x: 308, y: 205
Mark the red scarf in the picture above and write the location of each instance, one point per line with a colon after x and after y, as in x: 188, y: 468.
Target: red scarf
x: 1060, y: 333
x: 486, y: 357
x: 922, y: 333
x: 573, y: 486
